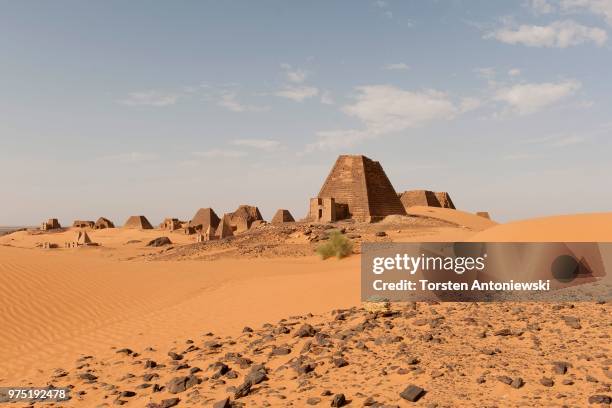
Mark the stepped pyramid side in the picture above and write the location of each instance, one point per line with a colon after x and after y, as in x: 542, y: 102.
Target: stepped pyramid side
x: 382, y: 198
x: 362, y: 185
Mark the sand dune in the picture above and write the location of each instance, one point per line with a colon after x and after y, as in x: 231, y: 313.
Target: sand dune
x: 59, y: 304
x: 563, y: 228
x: 456, y: 217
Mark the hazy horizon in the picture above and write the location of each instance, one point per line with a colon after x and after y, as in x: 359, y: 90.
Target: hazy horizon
x: 114, y: 109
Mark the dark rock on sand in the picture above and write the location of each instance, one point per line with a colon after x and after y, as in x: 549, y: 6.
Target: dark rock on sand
x: 412, y: 393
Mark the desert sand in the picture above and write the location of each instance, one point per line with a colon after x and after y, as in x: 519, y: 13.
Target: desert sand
x: 93, y: 318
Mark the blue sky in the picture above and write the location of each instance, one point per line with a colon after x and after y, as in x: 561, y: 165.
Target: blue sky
x: 118, y: 108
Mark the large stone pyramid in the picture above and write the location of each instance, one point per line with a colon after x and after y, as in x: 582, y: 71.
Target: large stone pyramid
x: 362, y: 185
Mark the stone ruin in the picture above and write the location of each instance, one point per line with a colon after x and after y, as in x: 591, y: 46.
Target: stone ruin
x: 50, y: 224
x: 82, y: 239
x: 426, y: 198
x: 243, y: 218
x: 484, y: 214
x: 282, y: 216
x: 103, y: 223
x: 207, y: 235
x: 138, y: 222
x: 357, y: 188
x: 170, y: 224
x: 224, y: 229
x: 83, y: 224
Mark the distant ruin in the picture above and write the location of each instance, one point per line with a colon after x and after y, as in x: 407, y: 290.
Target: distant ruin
x: 224, y: 229
x: 83, y: 224
x: 242, y: 219
x: 138, y: 222
x: 358, y: 188
x: 426, y: 198
x: 82, y: 239
x: 484, y: 214
x: 103, y: 223
x: 170, y: 224
x: 50, y: 224
x: 282, y: 216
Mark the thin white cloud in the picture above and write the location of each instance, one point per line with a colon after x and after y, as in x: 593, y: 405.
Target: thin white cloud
x: 298, y: 93
x: 220, y: 153
x: 229, y: 101
x: 386, y: 109
x: 295, y: 75
x: 131, y: 157
x: 326, y: 98
x: 150, y: 98
x: 601, y: 8
x: 540, y: 6
x: 261, y: 144
x: 469, y: 104
x: 514, y: 72
x: 529, y: 98
x: 559, y: 34
x: 400, y: 66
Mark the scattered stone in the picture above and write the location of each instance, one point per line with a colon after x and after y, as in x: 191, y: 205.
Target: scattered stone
x: 560, y: 367
x: 175, y: 356
x: 88, y: 377
x: 381, y: 234
x: 340, y: 362
x: 600, y: 399
x: 313, y: 400
x: 160, y: 241
x: 180, y: 384
x: 505, y: 379
x: 224, y: 403
x: 170, y: 402
x: 280, y: 351
x: 572, y: 322
x: 412, y: 393
x: 306, y: 330
x: 243, y: 390
x: 517, y: 382
x: 128, y: 394
x: 339, y: 400
x: 547, y: 382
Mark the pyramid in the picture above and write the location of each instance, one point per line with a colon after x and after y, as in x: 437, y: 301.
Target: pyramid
x: 426, y: 198
x: 103, y: 223
x: 203, y: 218
x: 83, y: 238
x: 419, y: 197
x: 244, y: 216
x: 445, y: 200
x: 282, y: 216
x: 224, y: 229
x: 138, y: 221
x: 362, y: 185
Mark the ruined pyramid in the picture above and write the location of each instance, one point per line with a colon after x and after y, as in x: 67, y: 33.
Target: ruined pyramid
x: 138, y: 221
x: 224, y: 229
x: 362, y: 185
x: 83, y: 238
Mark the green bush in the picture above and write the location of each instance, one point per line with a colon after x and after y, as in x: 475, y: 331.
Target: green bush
x: 338, y: 245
